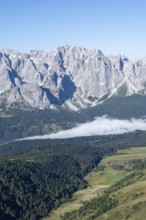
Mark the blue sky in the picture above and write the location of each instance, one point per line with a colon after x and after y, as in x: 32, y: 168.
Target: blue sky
x: 114, y: 26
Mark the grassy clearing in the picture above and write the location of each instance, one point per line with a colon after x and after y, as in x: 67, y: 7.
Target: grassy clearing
x: 51, y: 128
x: 137, y: 151
x: 5, y: 115
x: 108, y: 176
x: 123, y: 157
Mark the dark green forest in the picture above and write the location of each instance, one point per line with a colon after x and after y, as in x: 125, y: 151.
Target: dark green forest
x: 29, y: 190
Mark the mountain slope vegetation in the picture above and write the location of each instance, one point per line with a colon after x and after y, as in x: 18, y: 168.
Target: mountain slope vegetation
x: 125, y: 199
x: 37, y: 176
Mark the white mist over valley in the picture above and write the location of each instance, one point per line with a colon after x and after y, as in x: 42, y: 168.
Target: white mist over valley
x: 100, y: 126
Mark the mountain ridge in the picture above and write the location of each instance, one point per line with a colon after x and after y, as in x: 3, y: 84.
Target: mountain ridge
x: 70, y: 77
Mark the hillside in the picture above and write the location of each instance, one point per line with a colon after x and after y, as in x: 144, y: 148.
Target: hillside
x: 37, y: 176
x: 125, y: 197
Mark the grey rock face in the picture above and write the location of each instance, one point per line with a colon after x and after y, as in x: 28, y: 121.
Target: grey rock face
x: 71, y: 77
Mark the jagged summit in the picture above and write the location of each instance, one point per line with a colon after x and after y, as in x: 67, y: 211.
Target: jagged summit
x: 69, y: 76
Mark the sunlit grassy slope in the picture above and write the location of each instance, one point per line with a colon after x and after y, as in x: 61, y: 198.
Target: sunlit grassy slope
x: 131, y: 199
x: 131, y: 202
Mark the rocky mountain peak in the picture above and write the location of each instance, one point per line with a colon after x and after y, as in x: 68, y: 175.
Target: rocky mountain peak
x: 69, y: 76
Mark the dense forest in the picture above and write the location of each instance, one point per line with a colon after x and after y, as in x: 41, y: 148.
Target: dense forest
x: 29, y: 190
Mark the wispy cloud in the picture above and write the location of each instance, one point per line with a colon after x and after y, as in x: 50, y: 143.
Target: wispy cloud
x: 100, y: 126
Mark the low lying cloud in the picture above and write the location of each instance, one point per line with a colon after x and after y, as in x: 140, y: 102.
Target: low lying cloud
x: 100, y: 126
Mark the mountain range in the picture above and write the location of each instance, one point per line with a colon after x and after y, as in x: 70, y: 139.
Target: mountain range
x: 70, y: 77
